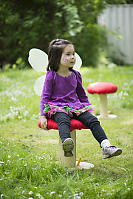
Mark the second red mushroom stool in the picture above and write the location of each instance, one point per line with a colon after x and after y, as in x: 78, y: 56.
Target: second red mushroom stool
x: 102, y: 89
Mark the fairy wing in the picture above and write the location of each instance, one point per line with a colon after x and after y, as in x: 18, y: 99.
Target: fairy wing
x: 38, y: 86
x: 78, y: 62
x: 38, y: 59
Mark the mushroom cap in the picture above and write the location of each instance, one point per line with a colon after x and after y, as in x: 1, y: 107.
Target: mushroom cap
x: 101, y: 88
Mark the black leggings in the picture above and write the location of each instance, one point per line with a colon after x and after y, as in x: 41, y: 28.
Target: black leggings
x: 89, y: 120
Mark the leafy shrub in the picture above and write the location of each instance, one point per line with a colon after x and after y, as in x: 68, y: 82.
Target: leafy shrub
x: 34, y: 24
x: 89, y: 43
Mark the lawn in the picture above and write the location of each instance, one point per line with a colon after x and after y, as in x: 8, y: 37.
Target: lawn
x: 28, y: 155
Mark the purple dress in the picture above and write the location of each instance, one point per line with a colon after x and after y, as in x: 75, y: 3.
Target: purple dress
x: 63, y: 94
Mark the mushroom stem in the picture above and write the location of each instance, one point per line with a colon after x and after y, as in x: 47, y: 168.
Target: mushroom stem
x: 103, y: 106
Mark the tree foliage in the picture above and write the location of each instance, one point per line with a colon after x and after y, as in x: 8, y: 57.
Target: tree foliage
x: 34, y: 23
x: 28, y: 24
x: 119, y: 1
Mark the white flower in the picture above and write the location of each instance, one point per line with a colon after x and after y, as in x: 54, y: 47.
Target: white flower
x: 81, y: 193
x: 53, y: 192
x: 23, y: 191
x: 39, y: 195
x: 30, y: 193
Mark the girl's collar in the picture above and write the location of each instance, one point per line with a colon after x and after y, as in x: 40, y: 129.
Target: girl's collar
x: 65, y: 74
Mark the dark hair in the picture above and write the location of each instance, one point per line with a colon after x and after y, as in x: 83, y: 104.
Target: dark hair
x: 55, y: 50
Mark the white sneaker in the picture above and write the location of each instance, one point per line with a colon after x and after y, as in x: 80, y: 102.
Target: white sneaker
x: 111, y: 151
x: 68, y: 146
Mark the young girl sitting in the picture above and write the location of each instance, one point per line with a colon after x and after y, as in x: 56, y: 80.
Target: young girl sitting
x: 63, y: 98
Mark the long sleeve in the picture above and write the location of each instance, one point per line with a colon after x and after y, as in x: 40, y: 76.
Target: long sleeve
x: 47, y: 91
x: 80, y: 90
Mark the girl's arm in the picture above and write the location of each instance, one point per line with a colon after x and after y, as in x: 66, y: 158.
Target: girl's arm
x: 47, y: 91
x: 80, y: 90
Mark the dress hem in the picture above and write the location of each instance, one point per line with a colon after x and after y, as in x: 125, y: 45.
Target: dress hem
x: 50, y: 110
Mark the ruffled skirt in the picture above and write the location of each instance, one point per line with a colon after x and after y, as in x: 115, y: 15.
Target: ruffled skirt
x: 49, y: 110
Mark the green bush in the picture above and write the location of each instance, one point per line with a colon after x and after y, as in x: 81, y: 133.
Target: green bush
x: 92, y: 40
x: 34, y: 24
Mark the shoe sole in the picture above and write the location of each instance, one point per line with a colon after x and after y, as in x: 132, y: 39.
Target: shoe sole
x: 68, y: 145
x: 116, y: 153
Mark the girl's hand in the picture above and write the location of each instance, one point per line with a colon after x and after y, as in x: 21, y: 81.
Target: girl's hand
x: 44, y: 122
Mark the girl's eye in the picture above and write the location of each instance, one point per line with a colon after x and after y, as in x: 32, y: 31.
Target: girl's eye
x: 70, y: 54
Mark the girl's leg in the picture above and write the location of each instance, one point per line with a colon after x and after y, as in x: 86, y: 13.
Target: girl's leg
x: 63, y: 122
x: 93, y: 124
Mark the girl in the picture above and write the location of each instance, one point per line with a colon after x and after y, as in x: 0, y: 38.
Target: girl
x: 64, y: 98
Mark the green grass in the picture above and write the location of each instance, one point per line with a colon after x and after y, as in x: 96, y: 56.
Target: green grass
x: 28, y: 155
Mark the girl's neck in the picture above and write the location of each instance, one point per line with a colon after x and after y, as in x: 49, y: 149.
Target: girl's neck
x: 64, y: 71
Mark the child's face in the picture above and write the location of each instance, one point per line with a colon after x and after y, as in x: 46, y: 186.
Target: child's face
x: 68, y: 56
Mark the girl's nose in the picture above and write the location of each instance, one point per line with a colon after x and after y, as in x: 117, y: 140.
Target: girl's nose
x: 73, y: 56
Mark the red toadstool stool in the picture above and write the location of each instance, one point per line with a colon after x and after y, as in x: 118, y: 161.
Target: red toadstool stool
x: 102, y: 88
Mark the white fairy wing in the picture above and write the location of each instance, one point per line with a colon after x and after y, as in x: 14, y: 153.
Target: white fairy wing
x: 78, y: 63
x: 38, y: 59
x: 38, y: 86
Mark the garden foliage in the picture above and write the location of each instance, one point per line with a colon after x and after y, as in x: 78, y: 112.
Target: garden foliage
x: 35, y: 23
